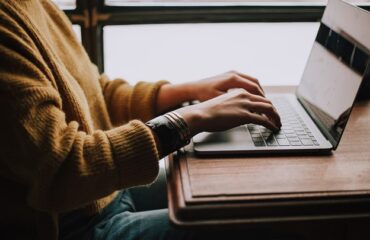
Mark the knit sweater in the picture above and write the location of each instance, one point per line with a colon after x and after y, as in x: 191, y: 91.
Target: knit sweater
x: 69, y: 137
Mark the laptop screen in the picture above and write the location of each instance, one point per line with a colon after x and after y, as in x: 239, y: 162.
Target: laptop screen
x: 338, y: 63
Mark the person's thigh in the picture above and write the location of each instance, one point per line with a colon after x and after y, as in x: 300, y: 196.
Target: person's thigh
x: 150, y: 197
x: 146, y: 225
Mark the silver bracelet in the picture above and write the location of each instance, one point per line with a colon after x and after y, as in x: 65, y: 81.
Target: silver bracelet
x: 178, y: 121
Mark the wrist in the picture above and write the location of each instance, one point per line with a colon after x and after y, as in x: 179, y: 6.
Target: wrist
x: 173, y: 95
x: 188, y: 90
x: 193, y: 118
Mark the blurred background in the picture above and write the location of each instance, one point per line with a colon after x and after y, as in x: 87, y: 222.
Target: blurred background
x: 187, y: 40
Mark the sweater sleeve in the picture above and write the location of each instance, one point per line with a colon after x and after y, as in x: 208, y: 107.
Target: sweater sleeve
x: 62, y: 166
x: 124, y: 101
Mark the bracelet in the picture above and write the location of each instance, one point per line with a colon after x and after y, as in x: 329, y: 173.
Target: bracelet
x: 171, y: 131
x: 181, y: 125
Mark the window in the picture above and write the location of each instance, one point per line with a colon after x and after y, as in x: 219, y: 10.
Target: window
x: 275, y: 53
x: 77, y: 30
x: 126, y: 37
x: 66, y: 4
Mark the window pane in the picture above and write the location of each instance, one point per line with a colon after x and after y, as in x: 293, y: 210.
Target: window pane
x: 77, y: 30
x: 221, y: 2
x: 275, y: 53
x: 66, y: 4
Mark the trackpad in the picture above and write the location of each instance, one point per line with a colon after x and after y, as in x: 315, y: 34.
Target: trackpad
x: 236, y: 138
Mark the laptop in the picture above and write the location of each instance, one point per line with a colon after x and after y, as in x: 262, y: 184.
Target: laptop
x: 314, y: 118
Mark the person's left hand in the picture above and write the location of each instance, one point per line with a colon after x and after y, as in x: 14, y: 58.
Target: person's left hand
x: 209, y: 88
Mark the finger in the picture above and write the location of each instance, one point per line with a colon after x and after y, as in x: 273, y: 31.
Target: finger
x: 265, y: 108
x: 250, y: 86
x: 253, y: 79
x: 258, y: 98
x: 262, y: 120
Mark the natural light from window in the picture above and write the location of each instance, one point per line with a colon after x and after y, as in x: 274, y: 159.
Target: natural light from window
x: 66, y: 4
x: 77, y: 30
x: 275, y: 53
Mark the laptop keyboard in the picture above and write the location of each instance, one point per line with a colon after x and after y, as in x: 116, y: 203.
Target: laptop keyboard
x: 293, y: 132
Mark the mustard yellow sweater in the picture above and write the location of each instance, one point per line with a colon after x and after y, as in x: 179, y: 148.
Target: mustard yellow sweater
x: 68, y: 138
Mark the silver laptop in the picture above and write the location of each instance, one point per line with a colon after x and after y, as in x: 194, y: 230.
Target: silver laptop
x: 314, y: 118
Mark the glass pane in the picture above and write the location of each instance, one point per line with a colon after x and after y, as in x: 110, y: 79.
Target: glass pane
x: 66, y: 4
x: 275, y: 53
x: 222, y: 2
x: 77, y: 30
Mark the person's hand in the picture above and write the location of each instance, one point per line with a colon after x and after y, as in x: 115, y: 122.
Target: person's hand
x: 172, y: 95
x: 230, y: 110
x: 209, y: 88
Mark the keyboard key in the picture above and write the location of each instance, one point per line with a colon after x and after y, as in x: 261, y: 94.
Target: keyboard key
x: 307, y: 142
x: 259, y: 144
x: 315, y: 142
x: 265, y: 134
x: 293, y: 139
x: 257, y: 139
x: 296, y: 143
x: 255, y: 135
x: 291, y: 135
x: 304, y: 137
x: 283, y: 142
x: 280, y: 136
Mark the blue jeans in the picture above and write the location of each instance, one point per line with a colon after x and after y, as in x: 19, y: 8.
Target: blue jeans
x: 136, y: 213
x: 141, y: 213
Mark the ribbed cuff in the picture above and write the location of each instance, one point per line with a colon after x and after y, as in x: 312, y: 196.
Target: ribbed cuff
x: 135, y: 154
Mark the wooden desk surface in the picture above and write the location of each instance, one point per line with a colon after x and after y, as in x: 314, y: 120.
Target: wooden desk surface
x: 275, y: 188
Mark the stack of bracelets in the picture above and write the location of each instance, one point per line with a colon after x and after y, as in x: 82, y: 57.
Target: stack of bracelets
x: 171, y: 130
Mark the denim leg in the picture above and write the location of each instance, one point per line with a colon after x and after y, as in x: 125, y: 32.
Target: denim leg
x: 77, y: 226
x: 139, y: 213
x: 150, y: 197
x: 146, y: 225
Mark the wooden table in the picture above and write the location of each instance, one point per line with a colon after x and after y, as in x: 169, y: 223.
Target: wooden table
x: 269, y: 189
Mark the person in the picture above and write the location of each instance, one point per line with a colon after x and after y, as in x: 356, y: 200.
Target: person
x: 79, y: 151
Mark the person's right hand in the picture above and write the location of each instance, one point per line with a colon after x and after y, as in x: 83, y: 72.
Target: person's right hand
x: 232, y: 109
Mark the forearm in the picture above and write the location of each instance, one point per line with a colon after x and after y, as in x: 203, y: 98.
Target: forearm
x: 172, y: 95
x: 126, y: 102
